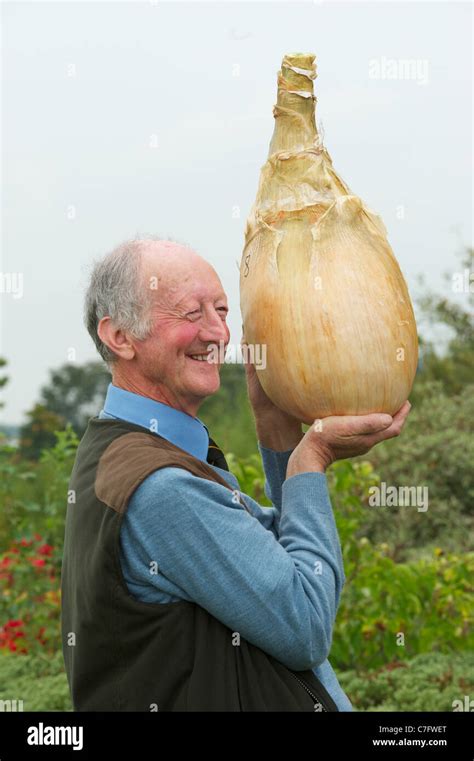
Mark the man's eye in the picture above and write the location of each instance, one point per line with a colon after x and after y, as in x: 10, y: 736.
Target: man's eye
x: 198, y: 311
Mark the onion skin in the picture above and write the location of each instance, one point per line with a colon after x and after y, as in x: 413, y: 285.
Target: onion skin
x: 319, y: 284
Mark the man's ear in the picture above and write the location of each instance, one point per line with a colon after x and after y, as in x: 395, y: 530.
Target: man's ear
x: 116, y: 339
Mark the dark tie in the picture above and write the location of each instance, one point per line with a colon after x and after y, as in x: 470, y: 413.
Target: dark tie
x: 215, y: 456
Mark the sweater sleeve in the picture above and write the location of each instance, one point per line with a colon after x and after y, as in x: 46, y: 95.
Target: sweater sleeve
x: 281, y: 594
x: 274, y: 466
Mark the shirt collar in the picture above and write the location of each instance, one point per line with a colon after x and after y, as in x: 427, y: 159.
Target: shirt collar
x: 183, y: 430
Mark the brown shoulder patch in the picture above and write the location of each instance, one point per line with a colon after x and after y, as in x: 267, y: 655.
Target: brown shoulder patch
x: 132, y: 457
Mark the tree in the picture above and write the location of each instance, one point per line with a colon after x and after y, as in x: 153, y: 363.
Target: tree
x: 76, y: 393
x: 38, y: 432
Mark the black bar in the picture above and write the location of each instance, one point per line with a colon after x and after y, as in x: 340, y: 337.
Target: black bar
x: 161, y: 735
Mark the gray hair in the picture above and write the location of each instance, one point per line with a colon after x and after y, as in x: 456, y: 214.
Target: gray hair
x: 117, y: 290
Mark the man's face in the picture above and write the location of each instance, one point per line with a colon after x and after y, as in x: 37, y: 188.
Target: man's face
x: 189, y: 312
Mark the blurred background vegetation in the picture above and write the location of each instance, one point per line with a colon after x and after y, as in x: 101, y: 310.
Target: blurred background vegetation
x: 404, y: 628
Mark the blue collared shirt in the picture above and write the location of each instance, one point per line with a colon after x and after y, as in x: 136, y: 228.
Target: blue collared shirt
x: 187, y: 432
x: 257, y: 577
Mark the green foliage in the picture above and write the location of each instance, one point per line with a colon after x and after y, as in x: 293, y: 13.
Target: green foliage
x: 428, y: 601
x: 428, y: 682
x: 436, y: 450
x: 39, y: 680
x: 34, y: 496
x: 15, y: 488
x: 53, y: 473
x: 392, y: 611
x: 249, y: 473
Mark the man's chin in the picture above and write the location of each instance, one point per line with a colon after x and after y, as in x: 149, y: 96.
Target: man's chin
x: 209, y: 388
x: 206, y: 387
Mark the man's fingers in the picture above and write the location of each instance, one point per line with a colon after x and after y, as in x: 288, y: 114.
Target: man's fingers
x: 365, y: 425
x: 402, y: 413
x: 395, y: 428
x: 367, y: 429
x: 398, y: 422
x: 249, y: 368
x: 361, y: 425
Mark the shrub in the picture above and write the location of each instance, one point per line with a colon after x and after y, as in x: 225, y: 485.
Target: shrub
x: 33, y: 497
x: 392, y: 611
x: 435, y: 450
x: 428, y: 682
x: 389, y: 610
x: 39, y: 681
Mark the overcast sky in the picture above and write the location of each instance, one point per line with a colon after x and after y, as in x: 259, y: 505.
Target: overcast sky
x: 123, y: 118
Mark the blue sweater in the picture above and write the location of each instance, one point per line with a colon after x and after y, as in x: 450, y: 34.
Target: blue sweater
x: 273, y: 574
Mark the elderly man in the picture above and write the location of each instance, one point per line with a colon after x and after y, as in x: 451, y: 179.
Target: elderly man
x: 179, y: 593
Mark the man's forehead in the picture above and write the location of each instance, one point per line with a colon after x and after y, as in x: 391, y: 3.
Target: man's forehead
x: 166, y: 256
x: 181, y: 274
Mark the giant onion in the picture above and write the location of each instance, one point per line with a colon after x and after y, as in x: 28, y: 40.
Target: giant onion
x: 320, y: 287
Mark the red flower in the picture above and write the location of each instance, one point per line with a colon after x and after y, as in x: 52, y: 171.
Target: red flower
x: 45, y: 549
x: 38, y: 537
x: 39, y: 562
x: 13, y: 623
x: 5, y: 562
x: 9, y: 636
x: 26, y: 543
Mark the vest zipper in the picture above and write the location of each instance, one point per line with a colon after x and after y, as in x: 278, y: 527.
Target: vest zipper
x: 305, y: 686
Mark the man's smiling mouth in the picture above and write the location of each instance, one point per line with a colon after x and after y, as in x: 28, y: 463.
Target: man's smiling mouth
x: 198, y: 357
